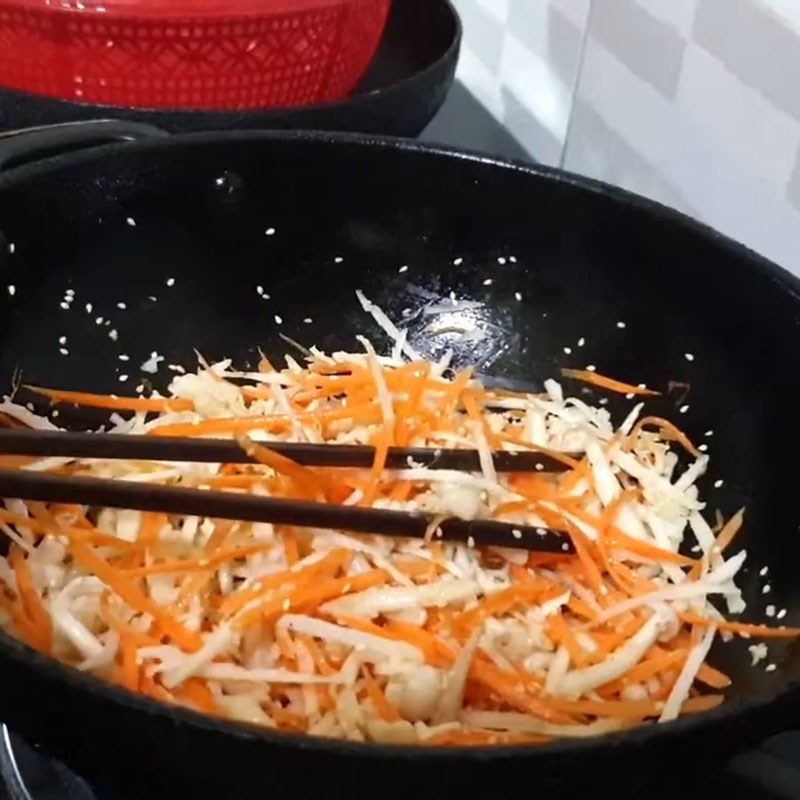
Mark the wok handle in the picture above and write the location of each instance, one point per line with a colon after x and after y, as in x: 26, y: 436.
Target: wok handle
x: 34, y: 144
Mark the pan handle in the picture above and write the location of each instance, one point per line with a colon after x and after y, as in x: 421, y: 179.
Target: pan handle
x: 33, y: 144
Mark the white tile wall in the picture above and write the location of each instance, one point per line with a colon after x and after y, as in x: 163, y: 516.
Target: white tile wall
x: 695, y: 103
x: 521, y: 59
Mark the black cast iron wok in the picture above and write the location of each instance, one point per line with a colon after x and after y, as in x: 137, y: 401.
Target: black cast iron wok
x: 116, y: 222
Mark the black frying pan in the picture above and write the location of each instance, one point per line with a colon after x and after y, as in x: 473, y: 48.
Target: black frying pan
x: 586, y: 257
x: 402, y: 90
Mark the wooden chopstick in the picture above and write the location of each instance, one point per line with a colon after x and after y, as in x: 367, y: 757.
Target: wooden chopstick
x: 29, y: 442
x: 99, y: 492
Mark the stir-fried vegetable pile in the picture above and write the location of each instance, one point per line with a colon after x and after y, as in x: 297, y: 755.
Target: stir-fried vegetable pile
x: 381, y: 639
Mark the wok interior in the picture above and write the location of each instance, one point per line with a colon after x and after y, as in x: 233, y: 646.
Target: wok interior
x: 116, y: 228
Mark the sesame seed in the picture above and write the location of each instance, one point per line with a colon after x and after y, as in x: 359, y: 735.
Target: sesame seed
x: 89, y: 308
x: 131, y: 221
x: 170, y: 281
x: 770, y: 611
x: 703, y: 448
x: 683, y: 409
x: 122, y: 306
x: 621, y: 325
x: 152, y: 298
x: 770, y: 668
x: 629, y: 396
x: 590, y: 367
x: 458, y: 262
x: 338, y: 260
x: 140, y: 388
x: 12, y: 290
x: 512, y: 259
x: 501, y: 261
x: 124, y: 357
x: 767, y: 589
x: 565, y: 547
x: 718, y: 483
x: 709, y: 433
x: 62, y: 339
x: 782, y: 613
x: 123, y: 378
x: 581, y: 342
x: 689, y: 356
x: 54, y: 413
x: 98, y: 321
x: 11, y: 248
x: 270, y: 231
x: 518, y: 296
x: 516, y: 533
x: 470, y: 541
x: 278, y: 320
x: 404, y: 268
x: 541, y: 531
x: 63, y: 351
x: 259, y: 289
x: 113, y: 335
x: 763, y: 571
x: 308, y: 320
x: 65, y: 306
x: 487, y: 282
x: 568, y: 351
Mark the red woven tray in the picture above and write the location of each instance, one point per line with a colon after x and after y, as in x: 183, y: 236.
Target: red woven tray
x: 205, y: 54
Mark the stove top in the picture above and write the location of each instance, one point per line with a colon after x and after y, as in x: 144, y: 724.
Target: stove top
x: 772, y: 772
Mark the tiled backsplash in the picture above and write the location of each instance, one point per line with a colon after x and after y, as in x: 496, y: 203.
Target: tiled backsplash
x: 693, y: 102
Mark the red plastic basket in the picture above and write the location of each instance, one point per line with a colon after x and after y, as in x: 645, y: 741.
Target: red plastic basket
x: 203, y: 54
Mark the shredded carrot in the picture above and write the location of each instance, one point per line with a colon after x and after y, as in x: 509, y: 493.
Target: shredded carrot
x: 290, y: 545
x: 198, y: 564
x: 713, y: 677
x: 741, y: 628
x: 561, y: 633
x: 196, y: 693
x: 604, y: 382
x: 112, y: 402
x: 133, y: 596
x: 51, y: 528
x: 31, y: 602
x: 729, y: 531
x: 667, y: 431
x: 130, y: 669
x: 382, y: 442
x: 386, y: 711
x: 326, y: 566
x: 507, y: 687
x: 307, y: 480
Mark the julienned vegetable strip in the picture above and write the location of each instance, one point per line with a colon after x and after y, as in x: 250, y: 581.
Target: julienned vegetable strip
x: 604, y: 382
x: 389, y: 640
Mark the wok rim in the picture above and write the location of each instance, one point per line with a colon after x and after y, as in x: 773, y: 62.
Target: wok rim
x: 638, y: 737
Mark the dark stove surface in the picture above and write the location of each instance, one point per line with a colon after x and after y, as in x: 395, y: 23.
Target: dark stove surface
x: 772, y: 772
